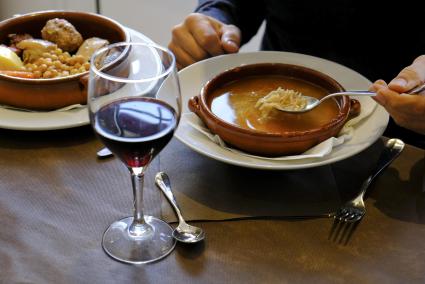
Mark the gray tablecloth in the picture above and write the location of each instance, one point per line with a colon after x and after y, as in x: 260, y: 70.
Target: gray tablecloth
x: 56, y: 199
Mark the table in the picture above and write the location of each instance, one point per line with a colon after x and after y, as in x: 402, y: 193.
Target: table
x: 56, y: 199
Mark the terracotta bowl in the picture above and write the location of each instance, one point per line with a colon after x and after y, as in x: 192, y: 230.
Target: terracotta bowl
x: 48, y: 94
x: 272, y: 144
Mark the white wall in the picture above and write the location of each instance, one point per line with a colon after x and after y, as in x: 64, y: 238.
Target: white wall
x: 8, y: 8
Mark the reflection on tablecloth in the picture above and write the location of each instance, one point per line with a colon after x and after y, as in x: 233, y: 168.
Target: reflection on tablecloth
x: 207, y: 189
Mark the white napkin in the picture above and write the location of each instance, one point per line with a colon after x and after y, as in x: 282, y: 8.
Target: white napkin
x: 318, y: 151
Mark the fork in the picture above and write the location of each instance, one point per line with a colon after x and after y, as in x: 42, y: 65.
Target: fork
x: 354, y: 210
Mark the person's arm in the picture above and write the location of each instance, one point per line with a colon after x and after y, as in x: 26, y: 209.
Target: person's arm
x: 245, y: 14
x: 407, y: 111
x: 214, y: 29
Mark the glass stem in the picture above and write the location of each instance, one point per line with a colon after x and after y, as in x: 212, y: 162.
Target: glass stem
x: 139, y: 227
x: 137, y: 180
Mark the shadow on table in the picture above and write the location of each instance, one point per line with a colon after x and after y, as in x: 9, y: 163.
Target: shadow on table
x: 189, y: 253
x: 397, y: 192
x: 212, y: 190
x: 402, y: 198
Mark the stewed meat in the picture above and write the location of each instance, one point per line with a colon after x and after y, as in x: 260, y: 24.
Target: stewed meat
x: 63, y: 33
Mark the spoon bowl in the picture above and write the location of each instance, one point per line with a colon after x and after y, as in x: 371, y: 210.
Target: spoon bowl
x: 183, y: 232
x: 188, y: 234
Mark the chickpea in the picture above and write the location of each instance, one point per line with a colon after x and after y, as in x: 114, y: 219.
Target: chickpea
x: 79, y: 58
x: 47, y: 74
x: 57, y: 64
x: 40, y: 61
x: 42, y: 67
x: 54, y: 73
x: 37, y: 74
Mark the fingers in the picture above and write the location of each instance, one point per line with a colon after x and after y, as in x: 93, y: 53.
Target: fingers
x: 183, y: 59
x: 378, y: 85
x: 200, y: 37
x: 409, y: 77
x: 407, y: 110
x: 206, y: 33
x: 230, y: 38
x: 184, y: 46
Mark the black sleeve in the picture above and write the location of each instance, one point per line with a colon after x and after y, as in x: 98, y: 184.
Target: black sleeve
x: 247, y: 15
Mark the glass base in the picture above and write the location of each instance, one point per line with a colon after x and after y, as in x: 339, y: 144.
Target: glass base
x: 138, y: 244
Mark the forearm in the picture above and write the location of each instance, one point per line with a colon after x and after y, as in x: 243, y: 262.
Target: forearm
x: 247, y: 15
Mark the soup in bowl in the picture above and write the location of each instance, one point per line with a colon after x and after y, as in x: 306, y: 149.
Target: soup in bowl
x: 237, y: 105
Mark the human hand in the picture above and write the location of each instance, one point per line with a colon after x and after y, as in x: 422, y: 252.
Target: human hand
x: 407, y: 111
x: 200, y: 37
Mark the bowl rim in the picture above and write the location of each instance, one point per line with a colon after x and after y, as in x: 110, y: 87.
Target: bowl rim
x: 296, y: 135
x: 55, y: 12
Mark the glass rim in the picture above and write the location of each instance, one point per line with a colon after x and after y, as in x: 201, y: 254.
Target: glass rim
x: 99, y: 72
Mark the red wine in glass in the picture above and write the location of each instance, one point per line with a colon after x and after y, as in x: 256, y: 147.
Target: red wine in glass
x: 135, y: 129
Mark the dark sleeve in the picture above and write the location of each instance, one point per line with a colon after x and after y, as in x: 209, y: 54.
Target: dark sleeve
x: 247, y: 15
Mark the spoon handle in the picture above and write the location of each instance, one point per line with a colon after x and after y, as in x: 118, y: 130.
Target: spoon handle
x: 163, y: 182
x: 354, y: 93
x: 349, y: 93
x: 104, y: 153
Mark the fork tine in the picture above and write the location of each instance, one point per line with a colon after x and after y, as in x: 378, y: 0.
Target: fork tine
x: 343, y: 216
x: 337, y: 227
x: 357, y: 218
x: 350, y: 218
x: 333, y: 228
x: 349, y: 233
x: 343, y: 226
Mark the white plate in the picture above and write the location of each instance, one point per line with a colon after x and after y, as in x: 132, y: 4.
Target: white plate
x: 35, y: 121
x: 195, y: 76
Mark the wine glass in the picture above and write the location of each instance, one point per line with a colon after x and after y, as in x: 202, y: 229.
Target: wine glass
x: 134, y: 105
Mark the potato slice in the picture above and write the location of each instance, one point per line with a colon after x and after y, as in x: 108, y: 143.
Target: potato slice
x: 90, y: 45
x: 34, y: 48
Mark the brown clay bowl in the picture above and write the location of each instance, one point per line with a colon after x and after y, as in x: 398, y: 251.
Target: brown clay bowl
x: 272, y: 144
x: 48, y: 94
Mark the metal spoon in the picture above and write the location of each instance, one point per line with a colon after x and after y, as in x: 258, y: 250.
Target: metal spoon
x: 104, y: 153
x: 313, y: 102
x: 184, y: 232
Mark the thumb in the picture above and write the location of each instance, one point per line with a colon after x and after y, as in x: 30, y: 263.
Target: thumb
x: 230, y: 38
x: 410, y: 76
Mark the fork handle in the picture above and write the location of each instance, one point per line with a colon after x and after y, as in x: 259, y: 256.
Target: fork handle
x: 392, y: 150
